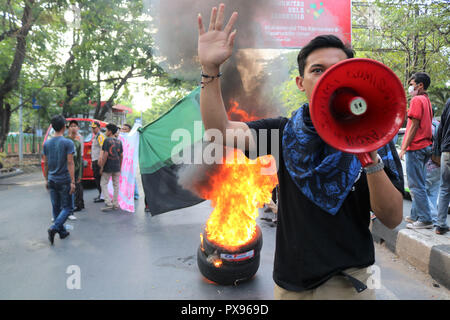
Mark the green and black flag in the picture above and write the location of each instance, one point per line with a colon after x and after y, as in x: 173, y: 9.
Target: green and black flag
x: 160, y: 143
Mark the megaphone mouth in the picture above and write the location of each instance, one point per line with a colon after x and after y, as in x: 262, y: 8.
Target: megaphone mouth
x: 347, y: 105
x: 358, y: 105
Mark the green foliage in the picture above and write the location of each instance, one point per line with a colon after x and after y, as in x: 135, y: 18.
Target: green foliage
x: 408, y: 36
x: 68, y: 64
x: 439, y: 96
x: 287, y: 92
x: 165, y: 93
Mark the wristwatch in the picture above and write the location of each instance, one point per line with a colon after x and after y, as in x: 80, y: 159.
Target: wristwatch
x: 378, y: 167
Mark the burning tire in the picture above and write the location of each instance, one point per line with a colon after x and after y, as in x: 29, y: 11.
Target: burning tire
x: 255, y: 243
x: 229, y: 267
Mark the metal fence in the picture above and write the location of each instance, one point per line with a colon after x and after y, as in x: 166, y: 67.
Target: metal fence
x: 30, y: 144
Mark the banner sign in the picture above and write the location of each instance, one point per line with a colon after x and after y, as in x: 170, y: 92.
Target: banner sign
x: 262, y: 24
x: 294, y: 23
x: 130, y: 144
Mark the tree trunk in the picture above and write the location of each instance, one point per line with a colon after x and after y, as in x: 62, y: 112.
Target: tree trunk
x: 99, y: 99
x: 107, y: 107
x: 5, y: 116
x: 12, y: 77
x: 70, y: 92
x: 109, y: 104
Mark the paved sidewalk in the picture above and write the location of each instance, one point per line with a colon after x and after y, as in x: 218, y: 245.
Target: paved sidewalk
x: 422, y: 248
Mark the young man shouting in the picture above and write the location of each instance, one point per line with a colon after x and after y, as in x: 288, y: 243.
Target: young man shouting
x: 323, y: 243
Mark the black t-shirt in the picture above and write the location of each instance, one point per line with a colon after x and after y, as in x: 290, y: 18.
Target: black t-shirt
x: 313, y: 245
x: 113, y: 148
x: 443, y: 135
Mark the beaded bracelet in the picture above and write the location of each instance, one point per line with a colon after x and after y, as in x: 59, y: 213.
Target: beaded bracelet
x: 203, y: 83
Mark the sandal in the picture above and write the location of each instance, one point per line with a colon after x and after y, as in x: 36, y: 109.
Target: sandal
x: 440, y: 230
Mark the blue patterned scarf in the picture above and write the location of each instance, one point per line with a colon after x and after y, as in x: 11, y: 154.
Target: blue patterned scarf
x: 323, y: 174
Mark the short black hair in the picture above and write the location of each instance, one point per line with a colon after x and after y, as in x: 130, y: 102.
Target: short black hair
x: 112, y: 127
x: 421, y: 77
x: 322, y: 41
x: 126, y: 124
x: 58, y: 122
x: 73, y: 121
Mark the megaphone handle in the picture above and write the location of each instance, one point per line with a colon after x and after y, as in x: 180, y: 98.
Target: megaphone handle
x: 365, y: 159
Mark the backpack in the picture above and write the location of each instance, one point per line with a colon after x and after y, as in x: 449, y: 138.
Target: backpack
x: 436, y: 152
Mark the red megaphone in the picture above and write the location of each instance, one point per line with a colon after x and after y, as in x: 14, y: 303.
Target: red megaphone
x: 358, y: 106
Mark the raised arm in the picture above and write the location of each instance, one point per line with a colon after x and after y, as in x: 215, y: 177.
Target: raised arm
x: 215, y: 46
x: 71, y: 168
x: 44, y: 158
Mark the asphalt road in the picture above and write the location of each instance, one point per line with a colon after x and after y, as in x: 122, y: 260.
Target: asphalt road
x: 122, y: 255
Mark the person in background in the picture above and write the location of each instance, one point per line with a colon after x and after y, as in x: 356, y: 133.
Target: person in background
x: 443, y: 143
x: 433, y: 177
x: 126, y: 128
x: 97, y: 143
x: 78, y: 162
x: 417, y: 147
x: 59, y: 174
x: 110, y: 163
x: 79, y: 197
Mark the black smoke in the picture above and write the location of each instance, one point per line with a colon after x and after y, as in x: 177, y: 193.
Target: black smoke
x: 248, y: 77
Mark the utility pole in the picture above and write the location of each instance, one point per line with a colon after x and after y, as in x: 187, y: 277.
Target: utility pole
x: 20, y: 128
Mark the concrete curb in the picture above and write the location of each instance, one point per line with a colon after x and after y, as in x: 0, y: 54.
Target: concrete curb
x: 422, y: 248
x: 16, y: 172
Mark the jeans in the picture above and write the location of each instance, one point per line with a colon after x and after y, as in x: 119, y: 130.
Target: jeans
x: 432, y: 185
x: 77, y: 197
x: 79, y: 202
x: 444, y: 194
x: 416, y: 173
x: 61, y: 203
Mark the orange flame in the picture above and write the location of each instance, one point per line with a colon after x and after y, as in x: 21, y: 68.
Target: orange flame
x: 239, y: 190
x: 241, y: 115
x: 218, y: 263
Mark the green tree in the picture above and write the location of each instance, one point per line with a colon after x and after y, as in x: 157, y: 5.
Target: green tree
x: 111, y: 45
x: 408, y: 36
x: 26, y: 36
x: 287, y: 92
x: 107, y: 43
x: 165, y: 92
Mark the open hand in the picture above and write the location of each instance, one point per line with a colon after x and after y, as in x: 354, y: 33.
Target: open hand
x: 216, y: 45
